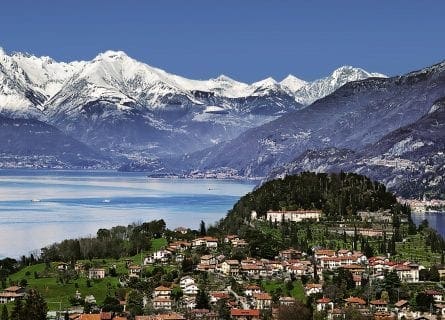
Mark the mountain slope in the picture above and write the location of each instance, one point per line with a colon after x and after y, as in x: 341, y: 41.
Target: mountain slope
x: 357, y: 114
x: 128, y: 108
x: 409, y: 160
x: 32, y: 143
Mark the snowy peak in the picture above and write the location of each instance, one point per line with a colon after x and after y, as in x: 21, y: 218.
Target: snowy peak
x: 28, y: 81
x: 293, y: 83
x: 111, y: 54
x: 318, y: 89
x: 349, y: 73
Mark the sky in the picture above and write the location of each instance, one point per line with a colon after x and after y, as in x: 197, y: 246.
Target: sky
x: 245, y: 39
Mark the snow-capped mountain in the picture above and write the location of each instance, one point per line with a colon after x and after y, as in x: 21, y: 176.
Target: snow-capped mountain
x: 127, y: 107
x: 308, y: 92
x: 358, y: 114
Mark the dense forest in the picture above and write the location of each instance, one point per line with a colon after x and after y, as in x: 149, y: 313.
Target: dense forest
x: 338, y: 195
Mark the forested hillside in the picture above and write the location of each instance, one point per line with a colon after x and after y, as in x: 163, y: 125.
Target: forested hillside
x: 337, y: 195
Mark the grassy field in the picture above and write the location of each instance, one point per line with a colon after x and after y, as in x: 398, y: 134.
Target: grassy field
x: 57, y: 294
x: 273, y: 286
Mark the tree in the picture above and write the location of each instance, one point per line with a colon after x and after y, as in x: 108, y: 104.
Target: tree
x: 424, y: 301
x: 5, y: 315
x: 353, y: 314
x: 344, y: 278
x: 202, y: 228
x: 17, y: 311
x: 434, y: 274
x: 35, y: 306
x: 392, y: 284
x: 135, y: 304
x: 112, y: 304
x: 223, y: 309
x: 295, y: 311
x: 202, y: 300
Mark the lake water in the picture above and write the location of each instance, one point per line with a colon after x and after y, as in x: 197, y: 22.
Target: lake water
x: 39, y: 207
x: 435, y: 220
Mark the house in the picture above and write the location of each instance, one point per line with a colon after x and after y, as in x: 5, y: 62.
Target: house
x: 208, y: 259
x: 62, y: 266
x: 355, y: 302
x: 231, y: 237
x: 287, y: 301
x: 179, y: 246
x: 186, y: 281
x: 289, y: 254
x: 295, y: 216
x: 218, y: 295
x: 208, y: 242
x: 230, y: 267
x: 96, y: 273
x: 162, y: 316
x: 241, y: 314
x: 324, y: 304
x: 11, y: 294
x: 408, y: 272
x: 313, y: 288
x: 322, y: 253
x: 189, y: 302
x: 100, y: 316
x: 162, y: 291
x: 262, y: 300
x: 134, y: 271
x: 401, y: 306
x: 252, y: 289
x: 181, y: 230
x: 162, y: 302
x: 79, y: 267
x: 241, y: 243
x: 379, y: 305
x: 191, y: 290
x: 158, y: 256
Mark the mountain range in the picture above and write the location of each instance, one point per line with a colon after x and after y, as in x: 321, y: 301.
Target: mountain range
x: 114, y: 111
x: 130, y: 109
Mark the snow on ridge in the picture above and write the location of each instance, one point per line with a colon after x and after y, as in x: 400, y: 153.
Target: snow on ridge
x: 115, y: 70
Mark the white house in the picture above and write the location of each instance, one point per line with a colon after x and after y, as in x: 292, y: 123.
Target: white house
x: 96, y: 273
x: 11, y: 294
x: 186, y: 281
x: 162, y: 302
x: 295, y: 216
x: 191, y: 290
x: 262, y: 300
x: 209, y: 242
x: 162, y: 291
x: 230, y: 267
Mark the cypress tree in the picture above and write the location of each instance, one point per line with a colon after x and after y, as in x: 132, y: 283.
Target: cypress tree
x: 5, y: 315
x: 35, y: 306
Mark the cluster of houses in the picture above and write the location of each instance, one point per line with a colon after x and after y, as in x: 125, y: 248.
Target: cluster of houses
x: 289, y: 263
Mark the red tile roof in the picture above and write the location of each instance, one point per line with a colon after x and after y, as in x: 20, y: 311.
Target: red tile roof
x: 355, y: 300
x: 242, y: 312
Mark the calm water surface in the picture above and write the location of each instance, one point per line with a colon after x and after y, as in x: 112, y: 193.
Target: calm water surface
x: 39, y: 207
x: 435, y: 220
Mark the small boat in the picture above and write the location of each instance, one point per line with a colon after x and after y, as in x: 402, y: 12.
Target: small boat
x: 106, y: 201
x: 35, y: 200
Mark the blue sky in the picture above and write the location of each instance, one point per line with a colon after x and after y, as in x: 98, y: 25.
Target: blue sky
x: 245, y: 39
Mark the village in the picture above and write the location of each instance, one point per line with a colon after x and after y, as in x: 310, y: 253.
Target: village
x: 216, y: 278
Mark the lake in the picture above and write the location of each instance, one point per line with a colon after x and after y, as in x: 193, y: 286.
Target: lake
x: 435, y: 220
x: 39, y: 207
